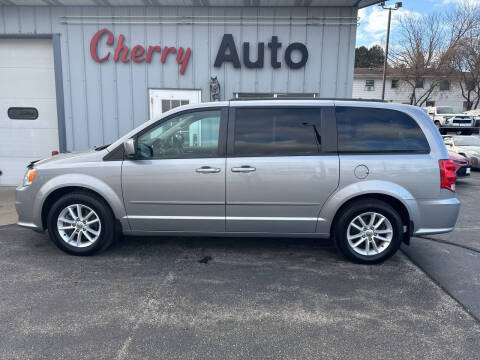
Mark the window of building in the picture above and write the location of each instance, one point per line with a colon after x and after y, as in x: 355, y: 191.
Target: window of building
x: 369, y: 84
x: 168, y: 104
x: 279, y: 131
x: 370, y: 130
x: 189, y: 135
x: 394, y: 83
x: 419, y: 83
x: 22, y: 113
x: 429, y: 103
x: 444, y: 85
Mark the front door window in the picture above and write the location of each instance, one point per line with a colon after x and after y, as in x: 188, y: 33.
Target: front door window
x: 189, y: 135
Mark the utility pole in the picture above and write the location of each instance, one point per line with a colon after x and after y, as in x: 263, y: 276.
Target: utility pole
x: 397, y: 6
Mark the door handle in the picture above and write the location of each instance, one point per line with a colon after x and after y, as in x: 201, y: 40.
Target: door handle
x: 207, y: 170
x: 243, y: 168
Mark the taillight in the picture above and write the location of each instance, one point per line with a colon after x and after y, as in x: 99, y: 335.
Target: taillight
x: 447, y: 174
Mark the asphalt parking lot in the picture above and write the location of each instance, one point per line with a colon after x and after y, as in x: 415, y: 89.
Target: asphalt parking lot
x: 249, y: 298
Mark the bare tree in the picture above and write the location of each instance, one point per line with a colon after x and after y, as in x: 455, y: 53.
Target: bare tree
x: 466, y: 59
x: 467, y: 66
x: 428, y: 45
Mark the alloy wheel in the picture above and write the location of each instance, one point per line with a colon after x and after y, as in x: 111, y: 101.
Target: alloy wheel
x: 369, y: 233
x: 79, y: 225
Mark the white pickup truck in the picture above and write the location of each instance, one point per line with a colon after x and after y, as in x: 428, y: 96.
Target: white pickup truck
x: 447, y: 119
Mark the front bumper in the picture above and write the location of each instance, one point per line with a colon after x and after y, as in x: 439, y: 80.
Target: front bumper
x: 436, y: 216
x: 459, y: 128
x: 474, y: 162
x: 24, y: 204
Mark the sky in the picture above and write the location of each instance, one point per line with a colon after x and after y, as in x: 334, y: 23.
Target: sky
x: 373, y: 19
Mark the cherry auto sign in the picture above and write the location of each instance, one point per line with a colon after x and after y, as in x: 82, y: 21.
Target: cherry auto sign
x: 227, y: 52
x: 138, y: 53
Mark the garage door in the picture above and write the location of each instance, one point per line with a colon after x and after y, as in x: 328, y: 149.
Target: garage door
x: 28, y: 110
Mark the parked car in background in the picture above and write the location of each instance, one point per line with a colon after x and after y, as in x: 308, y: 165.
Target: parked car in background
x: 467, y: 146
x: 448, y: 119
x: 462, y: 165
x: 346, y: 170
x: 476, y: 114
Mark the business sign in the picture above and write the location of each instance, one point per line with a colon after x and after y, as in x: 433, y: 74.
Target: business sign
x: 227, y: 52
x: 138, y: 53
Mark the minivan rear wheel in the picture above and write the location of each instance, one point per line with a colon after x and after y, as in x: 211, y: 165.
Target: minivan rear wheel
x: 368, y: 231
x: 81, y: 224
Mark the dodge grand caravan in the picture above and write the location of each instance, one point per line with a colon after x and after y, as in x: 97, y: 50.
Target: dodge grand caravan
x: 368, y: 175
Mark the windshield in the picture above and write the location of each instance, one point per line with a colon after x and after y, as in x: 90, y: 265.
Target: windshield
x: 467, y: 140
x: 447, y: 110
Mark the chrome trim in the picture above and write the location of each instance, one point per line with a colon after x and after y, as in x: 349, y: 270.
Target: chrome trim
x: 159, y: 202
x: 428, y: 231
x: 27, y: 225
x: 272, y: 203
x: 154, y: 217
x: 243, y: 218
x: 272, y: 218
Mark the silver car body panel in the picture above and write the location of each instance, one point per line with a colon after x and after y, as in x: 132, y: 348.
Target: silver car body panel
x: 284, y: 196
x: 167, y: 195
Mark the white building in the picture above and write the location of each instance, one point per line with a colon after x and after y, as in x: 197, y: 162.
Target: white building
x: 367, y: 84
x: 80, y: 73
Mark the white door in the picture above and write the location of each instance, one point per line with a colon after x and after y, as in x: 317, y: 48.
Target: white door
x: 28, y: 109
x: 162, y: 100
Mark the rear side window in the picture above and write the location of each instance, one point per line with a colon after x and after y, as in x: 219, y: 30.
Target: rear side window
x: 277, y: 131
x: 370, y: 130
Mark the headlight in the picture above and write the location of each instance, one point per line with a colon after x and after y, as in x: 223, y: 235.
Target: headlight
x: 29, y: 176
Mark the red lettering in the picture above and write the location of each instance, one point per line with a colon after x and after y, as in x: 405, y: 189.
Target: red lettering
x: 185, y: 59
x: 137, y: 53
x: 121, y: 49
x: 150, y: 51
x: 166, y: 50
x: 94, y: 44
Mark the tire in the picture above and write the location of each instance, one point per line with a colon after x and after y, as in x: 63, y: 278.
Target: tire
x: 385, y: 249
x: 443, y: 132
x: 437, y: 124
x: 96, y: 236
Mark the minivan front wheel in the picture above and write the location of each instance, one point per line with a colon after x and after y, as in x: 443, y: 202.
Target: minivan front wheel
x: 368, y: 231
x: 81, y: 224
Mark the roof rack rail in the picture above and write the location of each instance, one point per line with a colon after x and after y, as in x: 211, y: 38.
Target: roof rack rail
x: 302, y: 98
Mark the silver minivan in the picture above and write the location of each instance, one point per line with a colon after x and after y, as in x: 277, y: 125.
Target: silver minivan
x: 369, y: 175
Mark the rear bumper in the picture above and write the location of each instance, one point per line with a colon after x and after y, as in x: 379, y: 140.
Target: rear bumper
x: 436, y: 216
x: 464, y: 171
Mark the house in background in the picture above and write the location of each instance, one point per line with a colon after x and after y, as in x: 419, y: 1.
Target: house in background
x: 367, y: 84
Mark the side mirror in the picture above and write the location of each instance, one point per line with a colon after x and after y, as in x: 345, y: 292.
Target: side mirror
x: 129, y: 147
